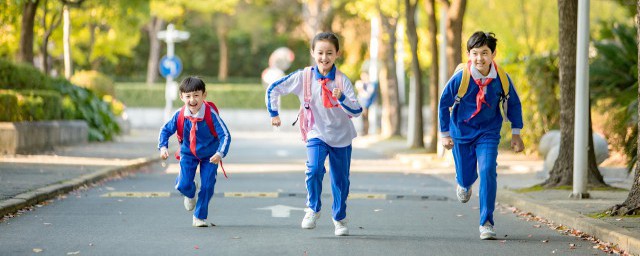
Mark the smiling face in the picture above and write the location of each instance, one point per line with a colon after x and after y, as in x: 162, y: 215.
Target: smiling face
x: 481, y: 58
x: 193, y: 100
x: 325, y: 54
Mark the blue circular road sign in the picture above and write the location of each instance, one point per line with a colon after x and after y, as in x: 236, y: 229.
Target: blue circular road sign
x: 170, y: 66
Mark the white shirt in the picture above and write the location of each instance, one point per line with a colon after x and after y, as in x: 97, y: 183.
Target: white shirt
x: 332, y: 125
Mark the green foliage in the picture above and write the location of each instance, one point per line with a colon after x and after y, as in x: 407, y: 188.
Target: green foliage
x: 21, y: 76
x: 97, y: 113
x: 244, y: 96
x: 95, y: 81
x: 613, y: 79
x: 537, y: 84
x: 37, y: 105
x: 9, y: 110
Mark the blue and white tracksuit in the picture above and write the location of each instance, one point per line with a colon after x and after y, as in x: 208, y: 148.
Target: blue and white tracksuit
x: 330, y: 135
x: 206, y: 146
x: 476, y: 140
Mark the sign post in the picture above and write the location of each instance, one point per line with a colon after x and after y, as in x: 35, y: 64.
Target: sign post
x: 170, y: 65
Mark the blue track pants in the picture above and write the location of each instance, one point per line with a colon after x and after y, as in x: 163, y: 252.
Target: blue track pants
x: 186, y: 185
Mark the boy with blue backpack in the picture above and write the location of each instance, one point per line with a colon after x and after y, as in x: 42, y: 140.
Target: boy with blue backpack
x: 470, y: 123
x: 204, y: 140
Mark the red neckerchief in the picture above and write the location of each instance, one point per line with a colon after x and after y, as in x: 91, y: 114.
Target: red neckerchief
x: 481, y: 93
x: 327, y: 95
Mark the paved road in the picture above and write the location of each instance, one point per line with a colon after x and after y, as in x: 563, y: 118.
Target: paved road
x: 258, y: 212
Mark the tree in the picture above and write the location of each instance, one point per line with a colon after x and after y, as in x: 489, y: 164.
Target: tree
x: 562, y: 172
x: 632, y: 204
x: 391, y: 111
x: 153, y: 27
x: 415, y: 132
x: 432, y: 144
x: 455, y: 16
x: 56, y: 19
x: 25, y: 52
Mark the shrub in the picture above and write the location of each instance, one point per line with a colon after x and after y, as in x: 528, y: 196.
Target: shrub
x: 9, y: 110
x: 21, y: 76
x: 95, y: 81
x: 36, y: 105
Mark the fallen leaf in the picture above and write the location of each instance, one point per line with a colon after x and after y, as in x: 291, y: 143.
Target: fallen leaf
x: 537, y: 226
x: 530, y: 236
x: 459, y: 215
x: 475, y: 207
x: 377, y: 210
x: 235, y: 237
x: 73, y: 253
x: 90, y: 244
x: 36, y: 250
x: 196, y: 247
x: 572, y: 246
x: 46, y: 223
x: 618, y: 219
x: 545, y: 241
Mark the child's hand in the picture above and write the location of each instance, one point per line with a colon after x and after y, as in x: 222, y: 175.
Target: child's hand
x: 516, y: 143
x: 337, y: 93
x: 215, y: 159
x: 275, y: 121
x: 447, y: 142
x: 164, y: 153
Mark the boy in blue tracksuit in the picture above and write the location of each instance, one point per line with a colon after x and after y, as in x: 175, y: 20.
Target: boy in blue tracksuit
x: 200, y: 145
x: 472, y: 127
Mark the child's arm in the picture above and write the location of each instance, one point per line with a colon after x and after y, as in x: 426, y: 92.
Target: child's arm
x: 291, y: 83
x: 165, y: 133
x: 447, y: 99
x: 514, y: 114
x: 347, y: 98
x: 223, y: 136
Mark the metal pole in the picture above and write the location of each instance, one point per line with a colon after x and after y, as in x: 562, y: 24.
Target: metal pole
x: 443, y: 76
x: 581, y: 131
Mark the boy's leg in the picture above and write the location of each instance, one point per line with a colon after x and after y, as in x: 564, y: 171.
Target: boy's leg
x: 184, y: 181
x: 340, y: 163
x: 464, y: 157
x: 208, y: 173
x: 487, y: 151
x: 317, y: 152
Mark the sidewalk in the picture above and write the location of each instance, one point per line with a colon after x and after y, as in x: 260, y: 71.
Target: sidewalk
x: 28, y: 180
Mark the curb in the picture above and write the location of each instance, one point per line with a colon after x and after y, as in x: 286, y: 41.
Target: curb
x: 38, y: 195
x: 626, y: 240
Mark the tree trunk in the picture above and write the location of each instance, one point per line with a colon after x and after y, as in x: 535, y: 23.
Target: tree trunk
x: 25, y: 52
x: 562, y: 172
x: 55, y: 22
x: 391, y: 112
x: 631, y: 205
x: 415, y: 136
x: 594, y: 178
x: 432, y: 144
x: 455, y: 16
x: 66, y: 42
x: 222, y: 32
x: 155, y: 46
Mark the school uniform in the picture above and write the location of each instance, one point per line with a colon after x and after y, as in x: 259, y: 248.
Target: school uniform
x: 206, y: 145
x: 331, y: 134
x: 476, y: 131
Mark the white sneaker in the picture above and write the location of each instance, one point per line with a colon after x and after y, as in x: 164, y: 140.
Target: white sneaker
x: 199, y: 223
x: 190, y: 203
x: 487, y: 232
x: 463, y: 194
x: 341, y: 227
x: 309, y: 220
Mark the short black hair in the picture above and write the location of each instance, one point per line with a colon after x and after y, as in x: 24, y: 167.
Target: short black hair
x: 480, y: 38
x: 192, y: 84
x: 326, y: 36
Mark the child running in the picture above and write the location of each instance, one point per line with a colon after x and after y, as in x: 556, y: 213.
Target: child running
x: 328, y: 102
x: 472, y: 126
x: 204, y: 140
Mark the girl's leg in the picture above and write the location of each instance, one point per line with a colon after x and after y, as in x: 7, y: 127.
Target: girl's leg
x: 464, y: 157
x: 340, y: 163
x: 317, y: 152
x: 487, y: 151
x: 184, y: 181
x: 208, y: 173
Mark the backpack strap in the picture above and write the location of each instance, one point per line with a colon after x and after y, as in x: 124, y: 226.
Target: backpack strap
x: 503, y: 80
x: 180, y: 125
x: 306, y: 86
x: 464, y: 84
x: 208, y: 117
x: 338, y: 80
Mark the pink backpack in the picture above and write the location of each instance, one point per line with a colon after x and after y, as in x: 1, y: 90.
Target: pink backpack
x: 305, y: 115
